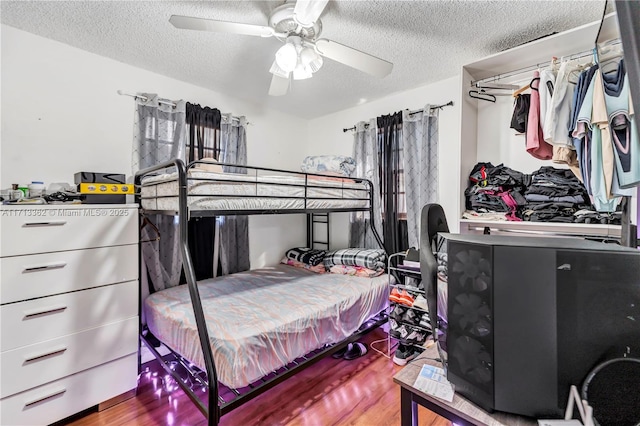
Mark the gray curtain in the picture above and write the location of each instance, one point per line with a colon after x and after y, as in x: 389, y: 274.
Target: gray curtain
x: 159, y: 136
x: 420, y: 140
x: 365, y: 153
x: 234, y: 230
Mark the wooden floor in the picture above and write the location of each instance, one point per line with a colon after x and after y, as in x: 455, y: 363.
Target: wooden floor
x: 331, y: 392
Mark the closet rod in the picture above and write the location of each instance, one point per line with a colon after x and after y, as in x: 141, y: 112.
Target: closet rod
x: 530, y: 68
x: 450, y: 103
x: 144, y: 98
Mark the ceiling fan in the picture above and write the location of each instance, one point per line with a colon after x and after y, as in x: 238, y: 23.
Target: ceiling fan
x: 297, y: 24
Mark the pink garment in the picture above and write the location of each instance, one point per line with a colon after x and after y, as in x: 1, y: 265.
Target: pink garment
x: 536, y: 144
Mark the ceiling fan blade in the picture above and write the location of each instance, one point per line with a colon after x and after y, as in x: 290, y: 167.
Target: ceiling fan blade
x: 201, y: 24
x: 353, y: 58
x: 279, y: 86
x: 307, y: 12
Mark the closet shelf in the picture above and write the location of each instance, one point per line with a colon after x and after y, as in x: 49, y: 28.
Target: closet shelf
x: 593, y: 230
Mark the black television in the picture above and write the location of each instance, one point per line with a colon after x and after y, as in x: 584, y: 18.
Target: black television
x: 521, y: 319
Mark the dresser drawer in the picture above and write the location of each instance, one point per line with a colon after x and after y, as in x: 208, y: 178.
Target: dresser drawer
x: 33, y: 365
x: 28, y: 277
x: 46, y: 318
x: 42, y: 229
x: 62, y: 398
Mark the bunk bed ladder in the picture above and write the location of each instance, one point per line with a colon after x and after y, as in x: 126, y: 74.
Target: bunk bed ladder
x: 320, y: 219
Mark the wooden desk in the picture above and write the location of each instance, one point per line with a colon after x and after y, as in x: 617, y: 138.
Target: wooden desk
x: 460, y: 410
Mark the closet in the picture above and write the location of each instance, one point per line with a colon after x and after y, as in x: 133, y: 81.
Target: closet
x: 486, y: 135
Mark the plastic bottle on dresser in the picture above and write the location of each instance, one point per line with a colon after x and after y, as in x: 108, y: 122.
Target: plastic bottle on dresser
x: 36, y: 189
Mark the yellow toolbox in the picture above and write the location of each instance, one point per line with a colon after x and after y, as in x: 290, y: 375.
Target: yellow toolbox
x: 105, y: 188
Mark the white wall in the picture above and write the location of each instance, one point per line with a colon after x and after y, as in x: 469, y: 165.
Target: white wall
x: 326, y: 137
x: 61, y: 114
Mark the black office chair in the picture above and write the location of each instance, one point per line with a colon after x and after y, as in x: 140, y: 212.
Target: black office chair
x: 433, y: 220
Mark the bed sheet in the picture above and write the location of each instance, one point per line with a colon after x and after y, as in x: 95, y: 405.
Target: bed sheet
x: 248, y: 192
x: 261, y: 320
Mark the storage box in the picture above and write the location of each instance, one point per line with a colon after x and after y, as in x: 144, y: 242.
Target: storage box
x: 104, y: 178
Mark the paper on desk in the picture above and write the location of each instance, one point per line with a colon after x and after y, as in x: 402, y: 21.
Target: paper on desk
x: 432, y: 381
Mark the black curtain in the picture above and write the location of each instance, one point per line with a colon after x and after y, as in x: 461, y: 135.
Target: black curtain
x: 203, y: 127
x: 389, y: 172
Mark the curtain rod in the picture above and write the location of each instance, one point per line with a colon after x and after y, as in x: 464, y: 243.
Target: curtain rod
x: 144, y: 98
x: 450, y: 103
x: 579, y: 55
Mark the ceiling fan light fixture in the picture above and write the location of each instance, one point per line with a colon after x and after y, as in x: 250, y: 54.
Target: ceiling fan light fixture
x: 310, y: 59
x: 276, y: 70
x: 301, y: 72
x: 287, y: 57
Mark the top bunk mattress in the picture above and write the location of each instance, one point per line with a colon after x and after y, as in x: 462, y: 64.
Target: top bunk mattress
x: 208, y: 190
x: 261, y: 320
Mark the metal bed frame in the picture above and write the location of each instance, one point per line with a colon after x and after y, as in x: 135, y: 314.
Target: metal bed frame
x: 220, y: 399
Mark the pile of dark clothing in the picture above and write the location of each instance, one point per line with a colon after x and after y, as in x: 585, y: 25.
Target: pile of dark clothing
x: 555, y: 195
x: 496, y: 189
x: 546, y: 195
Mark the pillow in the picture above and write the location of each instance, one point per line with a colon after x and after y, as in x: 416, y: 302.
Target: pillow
x: 357, y: 271
x: 367, y: 258
x: 326, y: 164
x: 305, y: 255
x: 318, y: 269
x: 209, y: 165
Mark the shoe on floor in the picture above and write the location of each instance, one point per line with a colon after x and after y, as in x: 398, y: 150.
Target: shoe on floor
x: 340, y: 354
x: 404, y: 354
x: 357, y: 350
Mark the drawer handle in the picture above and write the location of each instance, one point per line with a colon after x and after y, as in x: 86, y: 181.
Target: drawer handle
x: 49, y: 395
x: 54, y: 223
x: 42, y: 311
x: 51, y: 352
x: 45, y: 267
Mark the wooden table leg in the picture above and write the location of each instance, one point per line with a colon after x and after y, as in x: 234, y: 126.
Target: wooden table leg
x: 408, y: 408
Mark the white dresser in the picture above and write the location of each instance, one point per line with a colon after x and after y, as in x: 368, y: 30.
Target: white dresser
x: 69, y: 309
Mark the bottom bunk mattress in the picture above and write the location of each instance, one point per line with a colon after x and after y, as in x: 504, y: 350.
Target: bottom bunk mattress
x: 263, y: 319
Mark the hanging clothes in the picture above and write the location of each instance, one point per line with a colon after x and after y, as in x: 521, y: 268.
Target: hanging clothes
x: 535, y: 143
x: 624, y: 134
x: 581, y: 145
x: 600, y: 120
x: 546, y: 89
x: 521, y: 113
x: 556, y: 123
x: 593, y: 143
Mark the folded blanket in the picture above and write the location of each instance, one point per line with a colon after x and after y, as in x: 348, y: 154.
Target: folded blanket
x: 305, y: 255
x: 318, y: 269
x: 358, y: 271
x: 340, y: 164
x: 367, y: 258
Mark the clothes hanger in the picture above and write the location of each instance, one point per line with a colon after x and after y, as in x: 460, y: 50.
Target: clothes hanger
x: 520, y: 90
x: 608, y: 57
x: 482, y: 95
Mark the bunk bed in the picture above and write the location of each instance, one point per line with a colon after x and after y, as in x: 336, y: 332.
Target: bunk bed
x: 229, y: 337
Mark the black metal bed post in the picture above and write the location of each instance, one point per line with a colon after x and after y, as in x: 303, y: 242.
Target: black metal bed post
x: 372, y: 217
x: 187, y: 265
x: 213, y: 414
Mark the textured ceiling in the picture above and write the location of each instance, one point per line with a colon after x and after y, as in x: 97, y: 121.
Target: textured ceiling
x: 427, y: 41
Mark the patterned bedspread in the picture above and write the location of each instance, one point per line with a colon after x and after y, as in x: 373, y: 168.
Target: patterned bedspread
x: 261, y: 320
